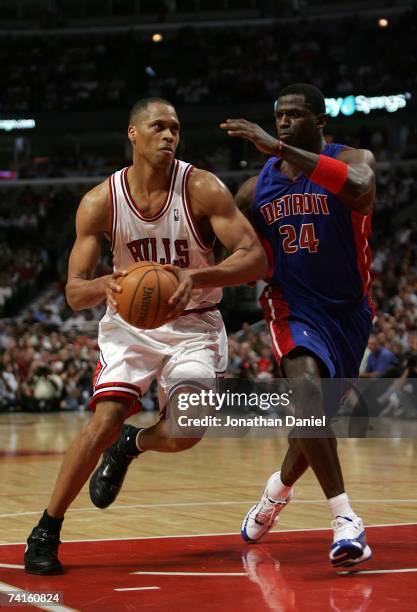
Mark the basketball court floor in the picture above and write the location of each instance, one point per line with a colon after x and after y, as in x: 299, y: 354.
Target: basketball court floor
x: 171, y: 540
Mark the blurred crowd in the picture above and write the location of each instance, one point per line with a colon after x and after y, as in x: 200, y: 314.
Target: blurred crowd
x: 217, y: 153
x: 44, y: 369
x: 32, y: 251
x: 108, y: 69
x: 48, y: 353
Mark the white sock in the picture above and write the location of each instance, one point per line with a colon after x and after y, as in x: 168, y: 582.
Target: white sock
x: 340, y: 506
x: 277, y: 490
x: 137, y: 441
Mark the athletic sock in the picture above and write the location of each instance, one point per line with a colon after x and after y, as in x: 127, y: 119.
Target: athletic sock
x: 277, y: 490
x: 137, y: 440
x: 50, y: 523
x: 340, y: 506
x: 130, y: 445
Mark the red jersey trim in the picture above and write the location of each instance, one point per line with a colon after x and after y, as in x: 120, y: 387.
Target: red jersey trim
x: 113, y: 212
x: 116, y: 393
x: 165, y: 206
x: 101, y: 366
x: 135, y: 403
x: 189, y: 213
x: 269, y: 255
x: 277, y: 317
x: 361, y: 230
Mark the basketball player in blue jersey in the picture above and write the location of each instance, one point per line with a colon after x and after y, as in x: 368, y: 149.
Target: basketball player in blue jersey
x: 163, y: 209
x: 311, y: 205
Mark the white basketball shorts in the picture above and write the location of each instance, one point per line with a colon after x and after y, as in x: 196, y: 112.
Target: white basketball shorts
x: 194, y: 346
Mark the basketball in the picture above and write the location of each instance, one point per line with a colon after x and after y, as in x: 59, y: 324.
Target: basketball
x: 146, y: 290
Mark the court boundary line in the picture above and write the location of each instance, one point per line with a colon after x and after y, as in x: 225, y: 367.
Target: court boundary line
x: 208, y: 535
x: 214, y: 503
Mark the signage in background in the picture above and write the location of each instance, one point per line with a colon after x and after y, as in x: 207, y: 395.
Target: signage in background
x: 17, y: 124
x: 364, y: 104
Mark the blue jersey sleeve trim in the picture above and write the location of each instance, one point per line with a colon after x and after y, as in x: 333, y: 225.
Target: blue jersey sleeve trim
x: 333, y: 149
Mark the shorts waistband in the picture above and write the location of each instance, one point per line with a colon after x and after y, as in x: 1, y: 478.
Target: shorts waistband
x: 200, y: 310
x: 277, y: 292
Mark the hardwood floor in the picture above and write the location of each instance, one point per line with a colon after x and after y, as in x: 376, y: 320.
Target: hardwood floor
x: 207, y: 489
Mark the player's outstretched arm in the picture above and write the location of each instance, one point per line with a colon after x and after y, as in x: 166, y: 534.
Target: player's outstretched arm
x: 351, y: 176
x: 92, y: 222
x: 211, y: 199
x: 247, y: 261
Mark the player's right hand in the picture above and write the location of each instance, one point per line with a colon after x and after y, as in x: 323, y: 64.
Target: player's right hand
x: 242, y: 128
x: 111, y: 286
x: 180, y: 298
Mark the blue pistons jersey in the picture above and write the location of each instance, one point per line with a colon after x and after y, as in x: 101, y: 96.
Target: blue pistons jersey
x: 319, y: 246
x: 318, y: 292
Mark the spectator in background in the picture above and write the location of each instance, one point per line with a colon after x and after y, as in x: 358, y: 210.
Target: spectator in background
x: 264, y: 365
x: 72, y: 389
x: 234, y: 360
x: 8, y: 387
x: 400, y: 400
x: 43, y: 389
x: 380, y: 359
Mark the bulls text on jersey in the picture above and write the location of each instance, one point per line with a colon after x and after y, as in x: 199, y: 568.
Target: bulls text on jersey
x: 160, y: 250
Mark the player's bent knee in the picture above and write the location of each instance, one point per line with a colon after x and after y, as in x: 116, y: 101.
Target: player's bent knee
x: 112, y: 410
x: 307, y: 396
x: 195, y: 373
x: 106, y: 423
x: 307, y: 383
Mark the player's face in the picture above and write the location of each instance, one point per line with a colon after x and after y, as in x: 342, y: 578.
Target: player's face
x: 296, y: 124
x: 155, y: 134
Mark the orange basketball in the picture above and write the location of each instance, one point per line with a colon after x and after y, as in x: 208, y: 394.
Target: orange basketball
x: 146, y: 290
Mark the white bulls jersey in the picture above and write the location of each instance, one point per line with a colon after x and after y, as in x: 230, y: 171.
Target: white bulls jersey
x: 170, y: 236
x: 191, y: 347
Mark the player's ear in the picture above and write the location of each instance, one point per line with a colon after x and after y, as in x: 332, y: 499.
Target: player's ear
x: 321, y: 120
x: 132, y: 134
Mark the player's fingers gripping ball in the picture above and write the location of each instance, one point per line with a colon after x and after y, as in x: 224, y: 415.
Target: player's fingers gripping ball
x: 146, y: 289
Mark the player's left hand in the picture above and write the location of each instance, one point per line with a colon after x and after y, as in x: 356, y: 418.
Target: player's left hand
x: 241, y: 128
x: 179, y: 300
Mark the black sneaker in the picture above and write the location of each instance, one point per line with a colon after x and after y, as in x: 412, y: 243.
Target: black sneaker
x: 41, y: 554
x: 108, y: 478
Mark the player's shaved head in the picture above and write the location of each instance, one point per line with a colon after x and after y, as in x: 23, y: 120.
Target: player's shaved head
x: 313, y: 97
x: 142, y: 105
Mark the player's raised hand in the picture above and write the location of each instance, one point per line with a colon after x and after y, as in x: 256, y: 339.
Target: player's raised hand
x: 179, y: 300
x: 242, y: 128
x: 111, y: 286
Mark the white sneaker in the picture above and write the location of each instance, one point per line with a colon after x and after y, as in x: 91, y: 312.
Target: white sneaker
x: 263, y: 515
x: 349, y: 542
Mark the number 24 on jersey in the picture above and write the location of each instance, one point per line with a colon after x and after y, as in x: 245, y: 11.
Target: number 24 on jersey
x: 291, y: 243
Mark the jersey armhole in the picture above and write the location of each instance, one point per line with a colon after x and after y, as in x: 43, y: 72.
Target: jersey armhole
x: 189, y: 213
x: 112, y: 213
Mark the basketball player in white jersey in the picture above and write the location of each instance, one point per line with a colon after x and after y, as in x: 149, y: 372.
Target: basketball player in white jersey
x: 164, y: 210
